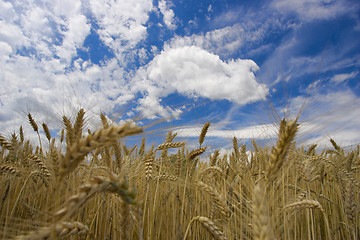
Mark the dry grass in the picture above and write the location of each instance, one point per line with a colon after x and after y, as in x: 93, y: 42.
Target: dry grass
x: 98, y: 188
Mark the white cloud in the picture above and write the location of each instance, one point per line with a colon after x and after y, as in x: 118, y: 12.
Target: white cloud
x: 338, y: 78
x: 36, y: 21
x: 121, y: 23
x: 74, y: 37
x: 168, y: 13
x: 6, y: 10
x: 5, y: 49
x: 40, y: 78
x: 67, y: 8
x: 194, y: 72
x: 12, y: 35
x: 150, y: 106
x: 42, y: 89
x: 44, y: 28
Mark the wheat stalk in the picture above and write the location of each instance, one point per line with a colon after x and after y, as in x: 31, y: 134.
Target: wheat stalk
x: 312, y: 204
x: 260, y: 224
x: 124, y: 220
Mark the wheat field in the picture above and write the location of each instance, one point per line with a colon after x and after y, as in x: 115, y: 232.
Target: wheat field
x: 90, y: 185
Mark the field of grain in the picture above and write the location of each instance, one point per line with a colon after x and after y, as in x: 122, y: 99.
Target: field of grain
x: 89, y: 185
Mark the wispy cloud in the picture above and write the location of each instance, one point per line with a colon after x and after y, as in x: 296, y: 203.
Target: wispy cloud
x: 288, y: 62
x: 226, y: 41
x: 330, y: 114
x: 338, y: 78
x: 265, y: 131
x: 309, y: 10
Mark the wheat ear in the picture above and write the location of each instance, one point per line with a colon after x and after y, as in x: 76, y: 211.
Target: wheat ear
x: 62, y: 135
x: 142, y: 147
x: 45, y: 172
x: 47, y: 131
x: 21, y: 134
x: 104, y: 120
x: 337, y: 148
x: 149, y: 168
x: 287, y: 133
x: 203, y: 132
x: 35, y: 127
x: 236, y: 148
x: 168, y: 145
x: 209, y: 226
x: 60, y: 230
x: 6, y: 169
x: 193, y: 154
x: 33, y: 123
x: 79, y: 124
x: 100, y: 138
x: 213, y: 158
x: 5, y: 143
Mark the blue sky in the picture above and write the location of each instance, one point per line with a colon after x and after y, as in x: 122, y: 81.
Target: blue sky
x: 240, y: 64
